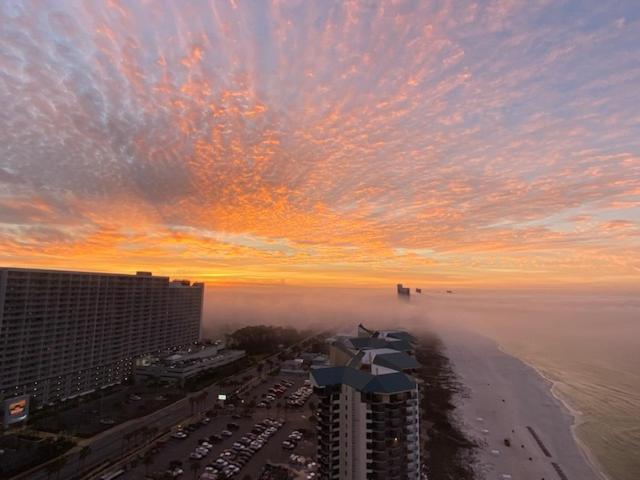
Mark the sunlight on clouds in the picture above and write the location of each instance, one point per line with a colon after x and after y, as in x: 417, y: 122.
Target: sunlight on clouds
x: 326, y: 142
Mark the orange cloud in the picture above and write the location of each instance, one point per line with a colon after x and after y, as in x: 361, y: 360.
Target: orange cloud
x: 346, y: 142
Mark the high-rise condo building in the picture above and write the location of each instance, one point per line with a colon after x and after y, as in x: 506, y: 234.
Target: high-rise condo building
x: 64, y: 334
x: 368, y: 417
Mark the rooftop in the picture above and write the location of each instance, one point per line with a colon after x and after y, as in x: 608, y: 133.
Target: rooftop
x: 362, y: 381
x: 396, y: 361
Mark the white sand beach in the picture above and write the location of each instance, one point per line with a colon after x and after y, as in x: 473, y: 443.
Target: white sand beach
x: 507, y: 399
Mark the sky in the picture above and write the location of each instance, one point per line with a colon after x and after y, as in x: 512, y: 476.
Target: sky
x: 440, y: 143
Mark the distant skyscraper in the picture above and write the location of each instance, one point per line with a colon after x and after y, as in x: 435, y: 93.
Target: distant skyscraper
x: 369, y: 409
x: 403, y: 292
x: 63, y: 334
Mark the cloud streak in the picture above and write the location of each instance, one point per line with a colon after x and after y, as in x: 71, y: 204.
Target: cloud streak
x: 331, y: 142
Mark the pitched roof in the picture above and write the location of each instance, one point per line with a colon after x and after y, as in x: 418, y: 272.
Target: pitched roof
x: 340, y: 375
x: 390, y: 383
x: 362, y: 381
x: 396, y: 361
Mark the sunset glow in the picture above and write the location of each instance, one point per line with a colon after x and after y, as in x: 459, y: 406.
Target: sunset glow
x: 329, y: 143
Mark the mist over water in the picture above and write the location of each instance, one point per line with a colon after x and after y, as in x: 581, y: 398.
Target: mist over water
x: 229, y: 308
x: 587, y: 344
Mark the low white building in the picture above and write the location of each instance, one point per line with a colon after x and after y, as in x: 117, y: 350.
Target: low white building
x: 294, y: 367
x: 181, y: 366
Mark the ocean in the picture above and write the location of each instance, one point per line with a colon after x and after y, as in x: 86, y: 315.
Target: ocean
x: 587, y: 345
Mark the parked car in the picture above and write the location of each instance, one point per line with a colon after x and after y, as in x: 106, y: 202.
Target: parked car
x: 175, y: 473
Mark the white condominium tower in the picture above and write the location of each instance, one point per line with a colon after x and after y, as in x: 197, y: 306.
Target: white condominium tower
x: 369, y: 409
x: 64, y: 334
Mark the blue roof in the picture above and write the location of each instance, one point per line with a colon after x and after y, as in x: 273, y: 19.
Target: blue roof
x: 396, y: 361
x: 362, y: 381
x: 390, y: 383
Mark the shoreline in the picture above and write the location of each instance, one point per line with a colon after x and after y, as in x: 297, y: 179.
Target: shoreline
x: 527, y: 399
x: 448, y: 450
x: 577, y: 415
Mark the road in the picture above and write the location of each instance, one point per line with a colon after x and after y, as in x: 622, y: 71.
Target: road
x: 110, y: 444
x: 272, y: 451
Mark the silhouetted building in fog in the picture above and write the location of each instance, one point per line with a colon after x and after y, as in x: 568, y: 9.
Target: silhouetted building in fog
x: 403, y: 291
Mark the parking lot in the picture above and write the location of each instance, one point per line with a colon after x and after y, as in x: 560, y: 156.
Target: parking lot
x: 175, y: 454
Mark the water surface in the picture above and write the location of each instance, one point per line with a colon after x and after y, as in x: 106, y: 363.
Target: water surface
x: 588, y: 345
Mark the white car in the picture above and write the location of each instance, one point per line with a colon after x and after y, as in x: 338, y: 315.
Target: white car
x: 230, y: 470
x: 195, y: 456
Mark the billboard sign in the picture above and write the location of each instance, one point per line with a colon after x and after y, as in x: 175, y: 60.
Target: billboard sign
x: 16, y: 409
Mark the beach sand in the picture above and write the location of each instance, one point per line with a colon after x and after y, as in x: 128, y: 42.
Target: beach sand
x: 507, y: 399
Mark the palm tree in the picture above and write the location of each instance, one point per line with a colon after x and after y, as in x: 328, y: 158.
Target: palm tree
x: 82, y: 456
